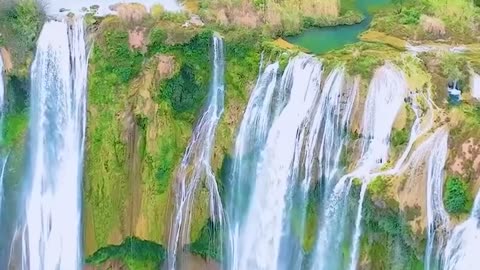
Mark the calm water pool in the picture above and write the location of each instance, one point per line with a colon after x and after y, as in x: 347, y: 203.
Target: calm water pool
x: 323, y: 39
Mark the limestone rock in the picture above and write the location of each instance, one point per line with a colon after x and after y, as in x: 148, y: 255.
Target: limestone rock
x: 194, y: 21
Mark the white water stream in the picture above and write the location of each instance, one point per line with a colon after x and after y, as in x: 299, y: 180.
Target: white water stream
x: 52, y: 237
x: 195, y: 168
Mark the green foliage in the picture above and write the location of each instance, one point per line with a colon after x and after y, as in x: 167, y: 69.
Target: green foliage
x: 386, y: 232
x: 364, y: 66
x: 379, y: 186
x: 182, y: 91
x: 20, y: 23
x: 454, y: 67
x: 118, y: 57
x: 399, y: 137
x: 137, y: 254
x: 456, y: 199
x: 209, y: 243
x: 14, y: 130
x: 410, y: 16
x: 187, y: 89
x: 170, y: 152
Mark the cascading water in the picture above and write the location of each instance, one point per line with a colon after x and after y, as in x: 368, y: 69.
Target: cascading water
x: 475, y: 85
x: 249, y: 143
x: 385, y: 97
x: 437, y: 217
x: 52, y: 234
x: 3, y: 156
x: 317, y: 158
x: 259, y: 246
x: 195, y: 165
x: 461, y: 251
x: 319, y: 122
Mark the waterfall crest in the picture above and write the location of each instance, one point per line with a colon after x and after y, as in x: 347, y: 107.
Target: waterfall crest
x: 262, y: 231
x: 290, y: 139
x: 195, y: 167
x: 52, y: 235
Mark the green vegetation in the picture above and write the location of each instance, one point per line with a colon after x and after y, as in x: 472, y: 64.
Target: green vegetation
x: 20, y: 24
x: 285, y: 17
x: 135, y: 253
x: 379, y: 186
x: 14, y: 129
x: 452, y: 21
x: 159, y: 102
x: 127, y: 64
x: 399, y: 137
x: 386, y: 231
x: 457, y: 198
x: 454, y: 67
x: 209, y: 243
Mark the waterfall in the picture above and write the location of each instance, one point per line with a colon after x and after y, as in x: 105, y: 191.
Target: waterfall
x: 461, y: 251
x: 306, y: 128
x: 317, y: 161
x: 52, y: 234
x: 475, y: 85
x: 384, y: 100
x: 195, y: 165
x: 259, y: 246
x: 2, y: 97
x: 248, y: 145
x: 3, y: 160
x: 437, y: 217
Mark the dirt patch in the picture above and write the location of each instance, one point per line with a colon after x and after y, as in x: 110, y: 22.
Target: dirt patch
x: 132, y: 139
x: 242, y: 15
x: 401, y: 120
x: 411, y: 190
x: 468, y: 155
x: 432, y: 25
x: 466, y: 162
x: 166, y: 66
x: 7, y: 60
x: 193, y: 262
x: 282, y: 43
x: 136, y: 38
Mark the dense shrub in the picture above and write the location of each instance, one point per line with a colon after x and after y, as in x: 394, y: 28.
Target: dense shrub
x: 134, y: 252
x: 399, y: 137
x: 456, y: 196
x: 125, y: 63
x: 182, y: 92
x: 410, y: 16
x: 209, y: 243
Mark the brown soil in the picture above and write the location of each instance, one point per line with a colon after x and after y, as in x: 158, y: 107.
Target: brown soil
x: 411, y: 190
x: 7, y: 59
x: 136, y: 38
x: 432, y: 25
x: 166, y: 66
x: 193, y: 262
